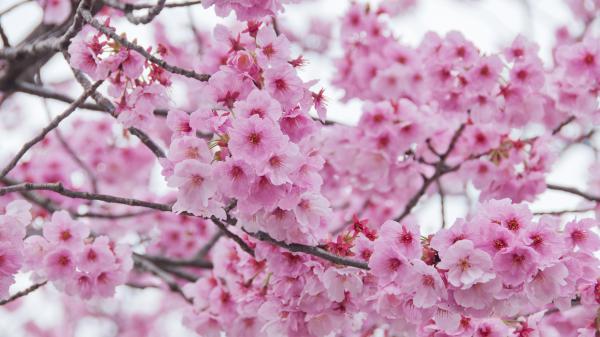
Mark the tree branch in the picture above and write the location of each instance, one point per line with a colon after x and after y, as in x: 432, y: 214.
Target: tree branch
x: 123, y: 7
x: 311, y: 250
x: 294, y: 247
x: 562, y: 125
x: 32, y: 89
x: 23, y: 293
x: 60, y: 189
x: 35, y: 90
x: 50, y: 44
x: 574, y: 191
x: 13, y: 7
x: 202, y: 253
x: 106, y: 104
x: 440, y: 169
x: 161, y: 63
x: 147, y: 265
x: 152, y: 13
x: 243, y: 245
x: 49, y: 128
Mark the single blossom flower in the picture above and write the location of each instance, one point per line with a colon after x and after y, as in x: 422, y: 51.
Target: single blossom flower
x: 466, y: 265
x: 516, y: 264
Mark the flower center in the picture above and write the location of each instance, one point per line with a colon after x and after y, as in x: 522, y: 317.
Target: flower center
x: 254, y: 138
x: 394, y: 264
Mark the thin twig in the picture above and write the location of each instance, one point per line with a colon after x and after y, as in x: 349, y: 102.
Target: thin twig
x: 112, y: 216
x: 440, y: 169
x: 23, y: 293
x: 90, y: 174
x: 311, y: 250
x: 36, y: 90
x: 50, y: 44
x: 152, y: 13
x: 106, y: 104
x: 13, y: 7
x: 129, y: 45
x: 194, y: 263
x: 60, y: 189
x: 4, y: 37
x: 294, y: 247
x: 123, y: 7
x: 442, y: 202
x: 574, y: 191
x: 49, y: 128
x: 203, y: 252
x: 243, y: 245
x: 562, y: 125
x: 565, y: 211
x: 161, y: 274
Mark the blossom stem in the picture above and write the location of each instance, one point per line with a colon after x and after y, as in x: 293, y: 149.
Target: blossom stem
x: 129, y: 45
x: 23, y: 293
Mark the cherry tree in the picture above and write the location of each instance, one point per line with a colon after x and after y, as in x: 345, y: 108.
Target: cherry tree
x: 202, y: 170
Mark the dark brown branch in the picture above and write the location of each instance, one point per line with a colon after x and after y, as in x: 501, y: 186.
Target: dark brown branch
x: 294, y: 247
x: 50, y: 44
x: 243, y: 245
x: 51, y: 207
x: 574, y: 191
x: 88, y: 171
x: 194, y: 263
x: 108, y: 106
x: 13, y: 7
x: 440, y: 169
x: 112, y: 216
x: 203, y: 252
x: 4, y: 37
x: 42, y: 202
x: 150, y: 144
x: 152, y: 13
x: 32, y: 89
x: 311, y: 250
x: 60, y: 189
x: 562, y: 125
x: 565, y: 211
x: 147, y: 265
x: 161, y: 63
x: 49, y: 128
x: 123, y: 7
x: 442, y: 202
x: 35, y: 90
x: 23, y: 293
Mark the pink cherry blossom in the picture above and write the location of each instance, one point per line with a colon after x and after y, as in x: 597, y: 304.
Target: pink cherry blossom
x: 426, y: 283
x: 404, y: 236
x: 65, y: 231
x: 466, y: 265
x: 388, y: 263
x: 196, y: 185
x: 515, y: 265
x: 579, y: 235
x: 253, y: 141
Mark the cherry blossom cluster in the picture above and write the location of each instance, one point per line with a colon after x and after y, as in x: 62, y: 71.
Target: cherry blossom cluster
x: 13, y: 221
x: 259, y: 150
x: 241, y: 207
x: 81, y: 265
x: 492, y: 274
x: 410, y: 121
x: 247, y: 9
x: 137, y: 86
